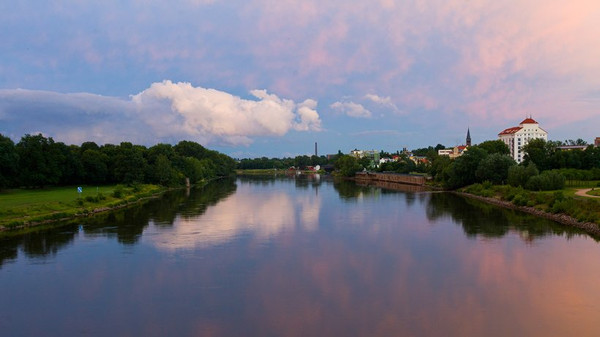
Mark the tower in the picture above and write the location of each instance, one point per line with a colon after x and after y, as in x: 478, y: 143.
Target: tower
x: 468, y: 137
x: 316, y: 153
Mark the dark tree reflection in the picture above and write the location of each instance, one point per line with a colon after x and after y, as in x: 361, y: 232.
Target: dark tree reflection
x: 126, y: 225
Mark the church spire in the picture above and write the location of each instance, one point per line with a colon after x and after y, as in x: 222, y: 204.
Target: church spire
x: 468, y: 137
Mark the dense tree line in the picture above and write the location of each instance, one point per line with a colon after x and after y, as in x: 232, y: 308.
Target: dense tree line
x: 545, y: 166
x: 37, y: 161
x: 300, y: 162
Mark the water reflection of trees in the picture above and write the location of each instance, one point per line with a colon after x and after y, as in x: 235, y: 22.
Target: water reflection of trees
x: 476, y: 218
x: 126, y: 225
x: 480, y: 219
x: 349, y: 190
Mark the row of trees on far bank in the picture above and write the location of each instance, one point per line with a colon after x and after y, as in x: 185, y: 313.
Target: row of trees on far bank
x: 37, y: 161
x: 283, y: 163
x: 545, y: 167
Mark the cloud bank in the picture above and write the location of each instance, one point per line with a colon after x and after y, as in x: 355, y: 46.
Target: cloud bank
x: 165, y: 112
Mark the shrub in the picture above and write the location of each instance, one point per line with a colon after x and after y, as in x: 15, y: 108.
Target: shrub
x: 520, y: 199
x: 118, y: 192
x: 547, y: 181
x: 512, y: 192
x: 519, y: 175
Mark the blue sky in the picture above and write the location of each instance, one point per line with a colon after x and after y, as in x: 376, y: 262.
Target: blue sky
x: 270, y: 78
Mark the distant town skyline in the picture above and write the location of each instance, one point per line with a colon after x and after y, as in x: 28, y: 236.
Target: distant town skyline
x: 257, y: 78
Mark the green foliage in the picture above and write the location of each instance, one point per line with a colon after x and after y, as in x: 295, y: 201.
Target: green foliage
x: 461, y: 171
x: 403, y: 165
x: 37, y: 161
x: 484, y: 190
x: 347, y: 165
x: 519, y: 175
x: 547, y: 181
x: 521, y: 199
x: 494, y: 168
x: 8, y: 162
x: 118, y: 192
x: 495, y: 147
x: 538, y: 151
x: 283, y: 163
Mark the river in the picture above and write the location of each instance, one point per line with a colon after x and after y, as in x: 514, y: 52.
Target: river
x: 302, y: 256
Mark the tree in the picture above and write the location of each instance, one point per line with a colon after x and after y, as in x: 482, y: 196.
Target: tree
x: 347, y: 165
x: 547, y: 181
x: 69, y: 163
x: 9, y: 161
x: 519, y: 175
x: 438, y: 165
x: 494, y: 146
x: 462, y: 171
x: 130, y: 164
x: 164, y: 174
x: 538, y: 151
x: 38, y: 163
x: 494, y: 168
x: 95, y: 168
x: 187, y: 148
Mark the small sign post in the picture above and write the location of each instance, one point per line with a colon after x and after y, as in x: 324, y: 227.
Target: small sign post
x: 79, y: 190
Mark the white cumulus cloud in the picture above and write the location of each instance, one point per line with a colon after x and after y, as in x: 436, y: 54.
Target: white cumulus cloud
x: 165, y: 112
x: 351, y: 109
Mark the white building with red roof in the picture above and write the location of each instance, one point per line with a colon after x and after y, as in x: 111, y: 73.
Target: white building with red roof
x: 518, y: 136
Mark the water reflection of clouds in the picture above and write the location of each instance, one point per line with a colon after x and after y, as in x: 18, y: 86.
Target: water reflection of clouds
x: 263, y: 216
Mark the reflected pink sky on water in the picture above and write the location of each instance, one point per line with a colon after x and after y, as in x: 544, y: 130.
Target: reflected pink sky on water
x: 283, y: 259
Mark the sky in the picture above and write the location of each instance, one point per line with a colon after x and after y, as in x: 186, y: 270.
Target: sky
x: 254, y: 78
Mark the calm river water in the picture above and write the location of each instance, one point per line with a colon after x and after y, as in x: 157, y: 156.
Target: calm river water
x: 302, y: 257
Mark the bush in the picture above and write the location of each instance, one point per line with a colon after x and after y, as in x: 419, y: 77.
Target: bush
x: 547, y: 181
x: 512, y: 192
x: 520, y: 199
x: 519, y: 175
x: 118, y: 192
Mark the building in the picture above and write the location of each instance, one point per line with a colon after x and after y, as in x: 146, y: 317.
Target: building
x: 371, y: 154
x: 597, y: 142
x: 468, y: 137
x: 457, y: 151
x: 518, y: 136
x: 571, y: 147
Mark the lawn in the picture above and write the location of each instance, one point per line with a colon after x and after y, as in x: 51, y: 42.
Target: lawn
x: 20, y: 206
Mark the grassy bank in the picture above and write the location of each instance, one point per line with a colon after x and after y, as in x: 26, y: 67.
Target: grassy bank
x: 25, y: 207
x: 561, y: 202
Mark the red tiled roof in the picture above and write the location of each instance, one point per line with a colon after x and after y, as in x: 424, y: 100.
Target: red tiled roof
x: 529, y: 121
x: 510, y: 131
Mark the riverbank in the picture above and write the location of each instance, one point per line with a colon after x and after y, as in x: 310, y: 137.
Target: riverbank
x: 28, y: 208
x: 262, y: 172
x: 544, y: 210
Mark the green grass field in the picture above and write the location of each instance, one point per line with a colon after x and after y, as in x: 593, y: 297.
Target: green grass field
x: 23, y: 206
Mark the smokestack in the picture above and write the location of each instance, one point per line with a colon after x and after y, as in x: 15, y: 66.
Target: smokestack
x: 316, y: 153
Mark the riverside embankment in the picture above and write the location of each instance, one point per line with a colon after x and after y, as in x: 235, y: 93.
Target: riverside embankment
x: 588, y: 227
